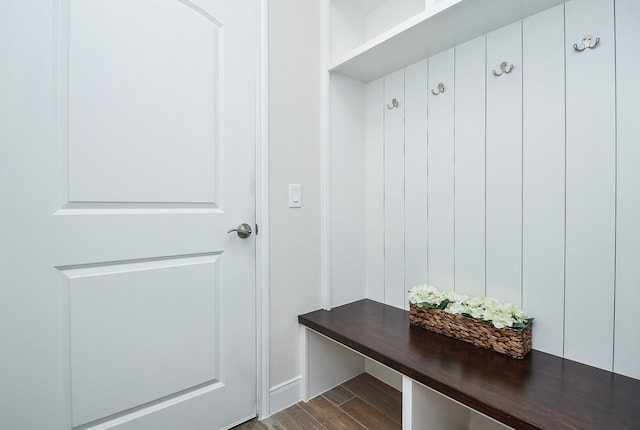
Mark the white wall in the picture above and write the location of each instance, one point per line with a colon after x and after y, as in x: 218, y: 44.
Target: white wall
x: 294, y: 157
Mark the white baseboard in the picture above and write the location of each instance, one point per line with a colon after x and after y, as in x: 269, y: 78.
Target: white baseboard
x: 284, y: 395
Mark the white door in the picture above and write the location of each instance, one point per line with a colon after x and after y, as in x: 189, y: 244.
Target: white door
x: 127, y: 150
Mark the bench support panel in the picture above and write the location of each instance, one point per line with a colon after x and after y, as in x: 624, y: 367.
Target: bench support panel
x: 329, y: 364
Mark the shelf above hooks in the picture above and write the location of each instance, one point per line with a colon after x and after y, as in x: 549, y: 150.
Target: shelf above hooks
x: 428, y: 33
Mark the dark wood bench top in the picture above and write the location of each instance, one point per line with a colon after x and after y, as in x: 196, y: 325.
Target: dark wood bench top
x: 541, y: 391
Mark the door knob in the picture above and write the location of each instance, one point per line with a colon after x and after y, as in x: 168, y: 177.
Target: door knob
x: 243, y: 230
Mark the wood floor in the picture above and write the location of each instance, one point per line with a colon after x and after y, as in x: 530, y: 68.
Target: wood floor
x: 360, y: 403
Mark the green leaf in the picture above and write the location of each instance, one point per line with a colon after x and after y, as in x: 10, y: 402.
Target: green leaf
x: 443, y: 304
x: 426, y: 305
x: 523, y: 324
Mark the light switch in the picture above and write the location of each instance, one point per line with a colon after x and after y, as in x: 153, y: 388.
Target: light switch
x: 295, y: 196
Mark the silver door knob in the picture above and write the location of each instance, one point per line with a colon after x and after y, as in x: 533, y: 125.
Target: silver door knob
x: 243, y: 230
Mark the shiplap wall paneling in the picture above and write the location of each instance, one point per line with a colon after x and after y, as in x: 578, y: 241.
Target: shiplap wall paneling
x: 415, y: 124
x: 394, y: 190
x: 504, y: 165
x: 470, y: 82
x: 627, y: 340
x: 347, y: 191
x: 590, y: 182
x: 374, y: 182
x: 543, y: 177
x: 440, y: 168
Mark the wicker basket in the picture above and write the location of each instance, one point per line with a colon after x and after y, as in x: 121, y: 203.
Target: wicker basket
x: 514, y: 342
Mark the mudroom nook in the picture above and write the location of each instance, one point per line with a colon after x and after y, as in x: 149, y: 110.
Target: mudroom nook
x: 486, y: 148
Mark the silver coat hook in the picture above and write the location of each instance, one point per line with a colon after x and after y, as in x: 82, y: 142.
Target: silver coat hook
x: 586, y: 42
x: 440, y: 89
x: 393, y: 105
x: 504, y: 68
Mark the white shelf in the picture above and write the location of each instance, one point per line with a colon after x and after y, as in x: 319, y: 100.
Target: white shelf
x: 433, y: 31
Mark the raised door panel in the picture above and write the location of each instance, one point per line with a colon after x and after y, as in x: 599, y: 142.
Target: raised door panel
x: 590, y: 183
x: 627, y: 346
x: 163, y: 310
x: 543, y: 177
x: 155, y: 108
x: 374, y: 183
x: 415, y: 160
x: 440, y: 168
x: 469, y: 167
x: 394, y: 191
x: 504, y: 164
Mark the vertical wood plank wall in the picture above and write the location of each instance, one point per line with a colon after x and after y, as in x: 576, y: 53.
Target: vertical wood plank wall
x: 374, y: 165
x: 543, y: 176
x: 347, y: 198
x: 415, y: 176
x: 440, y: 168
x: 469, y: 121
x: 524, y: 187
x: 394, y: 228
x: 627, y: 341
x: 504, y: 165
x: 591, y: 173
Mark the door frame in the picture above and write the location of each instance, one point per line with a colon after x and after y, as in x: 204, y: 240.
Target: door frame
x: 262, y: 210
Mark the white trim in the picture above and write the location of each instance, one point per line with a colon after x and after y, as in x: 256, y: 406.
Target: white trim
x: 325, y: 158
x: 262, y: 212
x: 407, y: 404
x: 286, y: 394
x: 304, y: 362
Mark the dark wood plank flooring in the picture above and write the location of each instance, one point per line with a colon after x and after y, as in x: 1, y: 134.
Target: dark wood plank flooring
x: 362, y: 403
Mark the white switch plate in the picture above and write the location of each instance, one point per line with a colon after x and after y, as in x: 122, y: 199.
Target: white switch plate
x: 295, y: 196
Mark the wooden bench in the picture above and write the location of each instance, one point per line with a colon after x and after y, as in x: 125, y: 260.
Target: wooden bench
x: 542, y: 391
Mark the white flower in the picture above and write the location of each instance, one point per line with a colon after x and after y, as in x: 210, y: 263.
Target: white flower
x: 500, y: 314
x: 520, y: 315
x: 476, y: 312
x: 455, y: 308
x: 426, y: 294
x: 455, y: 297
x: 499, y: 318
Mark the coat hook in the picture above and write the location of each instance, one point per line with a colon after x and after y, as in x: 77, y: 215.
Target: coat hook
x: 586, y: 41
x: 440, y: 89
x: 393, y: 105
x: 504, y: 68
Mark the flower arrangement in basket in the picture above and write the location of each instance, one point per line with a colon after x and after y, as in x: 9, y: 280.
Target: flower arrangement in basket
x: 482, y: 321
